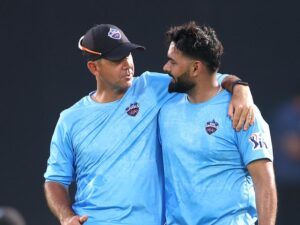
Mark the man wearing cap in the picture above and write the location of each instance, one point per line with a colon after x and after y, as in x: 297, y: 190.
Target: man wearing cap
x: 107, y: 142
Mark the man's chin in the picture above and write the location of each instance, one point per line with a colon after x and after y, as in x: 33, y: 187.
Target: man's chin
x: 171, y: 88
x: 174, y: 87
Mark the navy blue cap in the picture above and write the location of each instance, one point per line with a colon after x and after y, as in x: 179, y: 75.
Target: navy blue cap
x: 106, y: 41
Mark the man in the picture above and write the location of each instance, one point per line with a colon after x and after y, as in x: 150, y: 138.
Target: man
x: 107, y: 142
x: 213, y: 174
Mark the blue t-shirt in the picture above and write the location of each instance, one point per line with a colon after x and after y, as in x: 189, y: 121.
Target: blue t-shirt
x: 112, y: 152
x: 205, y: 160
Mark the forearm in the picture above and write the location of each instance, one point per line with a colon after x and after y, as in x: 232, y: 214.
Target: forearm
x: 228, y: 81
x: 58, y: 200
x: 262, y: 173
x: 266, y: 203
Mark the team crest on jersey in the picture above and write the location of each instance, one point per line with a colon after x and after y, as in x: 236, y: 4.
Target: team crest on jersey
x: 258, y: 142
x: 211, y: 127
x: 114, y: 33
x: 133, y: 109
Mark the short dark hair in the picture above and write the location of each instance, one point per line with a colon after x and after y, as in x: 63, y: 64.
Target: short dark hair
x: 197, y: 42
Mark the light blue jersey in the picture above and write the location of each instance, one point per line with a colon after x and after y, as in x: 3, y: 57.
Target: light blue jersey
x: 112, y: 152
x: 205, y: 160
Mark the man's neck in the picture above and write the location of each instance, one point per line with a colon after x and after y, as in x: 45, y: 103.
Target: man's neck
x: 206, y: 88
x: 107, y: 96
x: 107, y: 93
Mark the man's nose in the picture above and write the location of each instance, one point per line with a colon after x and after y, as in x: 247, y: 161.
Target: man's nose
x: 166, y: 68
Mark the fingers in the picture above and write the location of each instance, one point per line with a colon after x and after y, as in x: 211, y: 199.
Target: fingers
x: 83, y: 219
x: 252, y: 117
x: 230, y: 111
x: 236, y: 117
x: 249, y: 119
x: 75, y: 220
x: 241, y: 117
x: 72, y: 220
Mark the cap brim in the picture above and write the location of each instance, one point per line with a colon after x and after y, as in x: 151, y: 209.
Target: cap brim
x: 122, y: 51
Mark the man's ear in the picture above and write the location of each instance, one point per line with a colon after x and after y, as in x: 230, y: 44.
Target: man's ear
x: 196, y: 68
x: 93, y: 68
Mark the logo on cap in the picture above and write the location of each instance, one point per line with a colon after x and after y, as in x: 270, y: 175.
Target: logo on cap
x: 114, y: 34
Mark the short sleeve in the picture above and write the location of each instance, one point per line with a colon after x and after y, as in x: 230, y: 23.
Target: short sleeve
x: 255, y: 143
x: 60, y: 163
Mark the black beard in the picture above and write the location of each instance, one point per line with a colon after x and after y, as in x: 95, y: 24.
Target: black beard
x: 182, y: 85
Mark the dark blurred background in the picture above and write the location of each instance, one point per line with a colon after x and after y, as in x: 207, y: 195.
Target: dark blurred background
x: 42, y: 73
